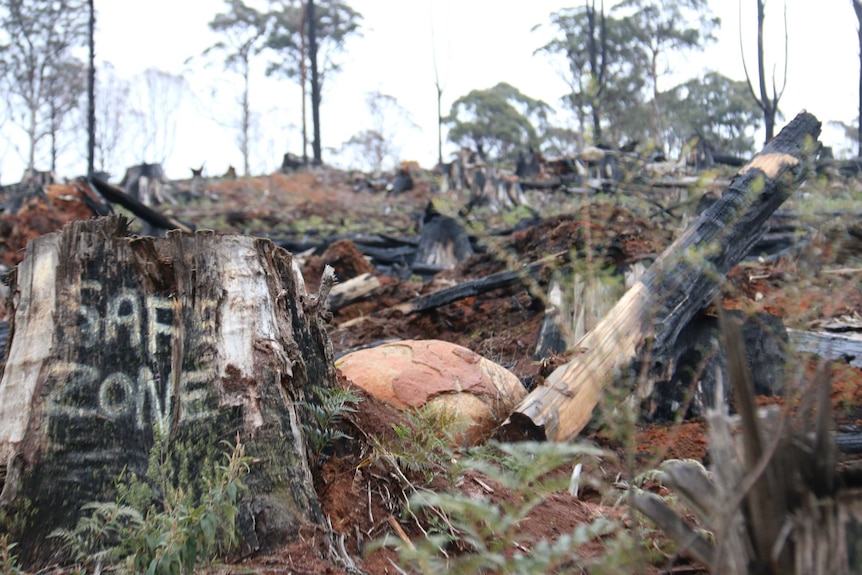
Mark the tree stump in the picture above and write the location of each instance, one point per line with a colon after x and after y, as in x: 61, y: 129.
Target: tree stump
x: 116, y: 341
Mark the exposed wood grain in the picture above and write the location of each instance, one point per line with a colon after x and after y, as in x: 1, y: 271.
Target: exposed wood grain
x: 680, y: 283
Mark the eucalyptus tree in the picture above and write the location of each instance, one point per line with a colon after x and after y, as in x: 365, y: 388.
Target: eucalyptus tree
x: 334, y: 23
x: 660, y: 28
x: 243, y: 30
x: 36, y: 55
x: 715, y: 107
x: 596, y: 59
x: 498, y: 121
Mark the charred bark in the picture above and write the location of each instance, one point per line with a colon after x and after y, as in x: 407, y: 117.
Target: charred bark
x: 118, y: 342
x: 648, y: 319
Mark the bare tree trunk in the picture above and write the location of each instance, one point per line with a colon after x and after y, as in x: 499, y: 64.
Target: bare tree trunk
x: 31, y: 133
x: 53, y: 127
x: 246, y: 118
x: 598, y: 49
x: 857, y: 6
x: 91, y: 93
x: 303, y: 80
x: 117, y: 342
x: 315, y: 84
x: 656, y: 108
x: 766, y: 103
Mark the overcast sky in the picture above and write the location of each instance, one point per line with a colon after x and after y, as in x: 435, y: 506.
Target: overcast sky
x: 477, y: 43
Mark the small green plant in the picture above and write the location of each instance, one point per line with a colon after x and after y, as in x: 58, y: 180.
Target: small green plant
x: 168, y: 539
x: 327, y: 409
x: 487, y: 532
x: 8, y: 559
x: 425, y: 441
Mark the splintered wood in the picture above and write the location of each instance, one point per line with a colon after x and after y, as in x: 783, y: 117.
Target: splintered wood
x: 647, y: 320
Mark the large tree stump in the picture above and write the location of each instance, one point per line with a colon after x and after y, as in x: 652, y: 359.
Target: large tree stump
x: 116, y: 340
x: 643, y: 325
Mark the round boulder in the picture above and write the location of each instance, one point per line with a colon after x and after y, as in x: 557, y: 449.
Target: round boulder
x: 414, y: 373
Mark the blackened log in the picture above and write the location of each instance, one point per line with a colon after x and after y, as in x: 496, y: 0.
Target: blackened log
x: 117, y: 195
x: 475, y: 287
x: 649, y: 318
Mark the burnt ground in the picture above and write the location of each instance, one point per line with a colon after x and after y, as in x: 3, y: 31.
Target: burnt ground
x: 362, y: 489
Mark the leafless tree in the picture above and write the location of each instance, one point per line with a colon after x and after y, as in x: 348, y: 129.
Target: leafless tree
x: 377, y: 145
x: 111, y: 111
x: 63, y: 90
x: 35, y: 50
x: 156, y: 98
x: 768, y: 103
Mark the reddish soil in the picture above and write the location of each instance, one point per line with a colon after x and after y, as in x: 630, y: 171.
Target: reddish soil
x: 362, y: 493
x: 359, y: 492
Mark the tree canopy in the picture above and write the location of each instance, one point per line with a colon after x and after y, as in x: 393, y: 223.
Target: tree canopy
x: 243, y: 29
x: 498, y: 121
x: 335, y: 22
x: 715, y: 107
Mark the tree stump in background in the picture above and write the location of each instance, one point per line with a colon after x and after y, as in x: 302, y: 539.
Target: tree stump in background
x: 116, y: 340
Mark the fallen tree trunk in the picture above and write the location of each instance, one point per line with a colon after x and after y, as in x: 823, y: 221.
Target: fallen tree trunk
x: 649, y: 317
x: 155, y: 219
x: 119, y: 343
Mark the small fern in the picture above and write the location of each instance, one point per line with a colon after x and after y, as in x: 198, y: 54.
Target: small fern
x: 8, y: 559
x: 327, y: 410
x: 169, y: 541
x: 488, y: 530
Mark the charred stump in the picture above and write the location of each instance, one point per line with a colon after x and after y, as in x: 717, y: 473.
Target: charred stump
x: 117, y: 342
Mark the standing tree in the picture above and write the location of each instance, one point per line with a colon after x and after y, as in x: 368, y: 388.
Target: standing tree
x: 243, y: 29
x: 91, y: 90
x: 659, y: 27
x: 63, y: 91
x: 315, y: 83
x: 156, y: 99
x: 37, y: 43
x: 597, y: 62
x: 377, y: 145
x: 111, y: 109
x: 715, y: 107
x: 497, y: 121
x: 767, y: 103
x: 334, y: 23
x: 857, y: 6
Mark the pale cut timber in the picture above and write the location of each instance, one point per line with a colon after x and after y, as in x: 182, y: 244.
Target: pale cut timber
x: 648, y: 319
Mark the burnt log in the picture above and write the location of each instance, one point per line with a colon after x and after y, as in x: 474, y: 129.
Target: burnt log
x: 644, y: 324
x: 118, y: 342
x: 155, y: 221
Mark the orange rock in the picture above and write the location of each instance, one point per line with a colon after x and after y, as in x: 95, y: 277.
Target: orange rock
x: 414, y: 373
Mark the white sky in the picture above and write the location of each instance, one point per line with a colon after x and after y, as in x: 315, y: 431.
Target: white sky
x: 478, y: 44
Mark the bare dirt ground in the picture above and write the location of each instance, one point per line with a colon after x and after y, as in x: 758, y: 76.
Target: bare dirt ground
x: 360, y: 493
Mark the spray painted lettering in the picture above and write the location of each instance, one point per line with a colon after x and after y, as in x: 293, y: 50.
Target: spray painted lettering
x: 135, y: 336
